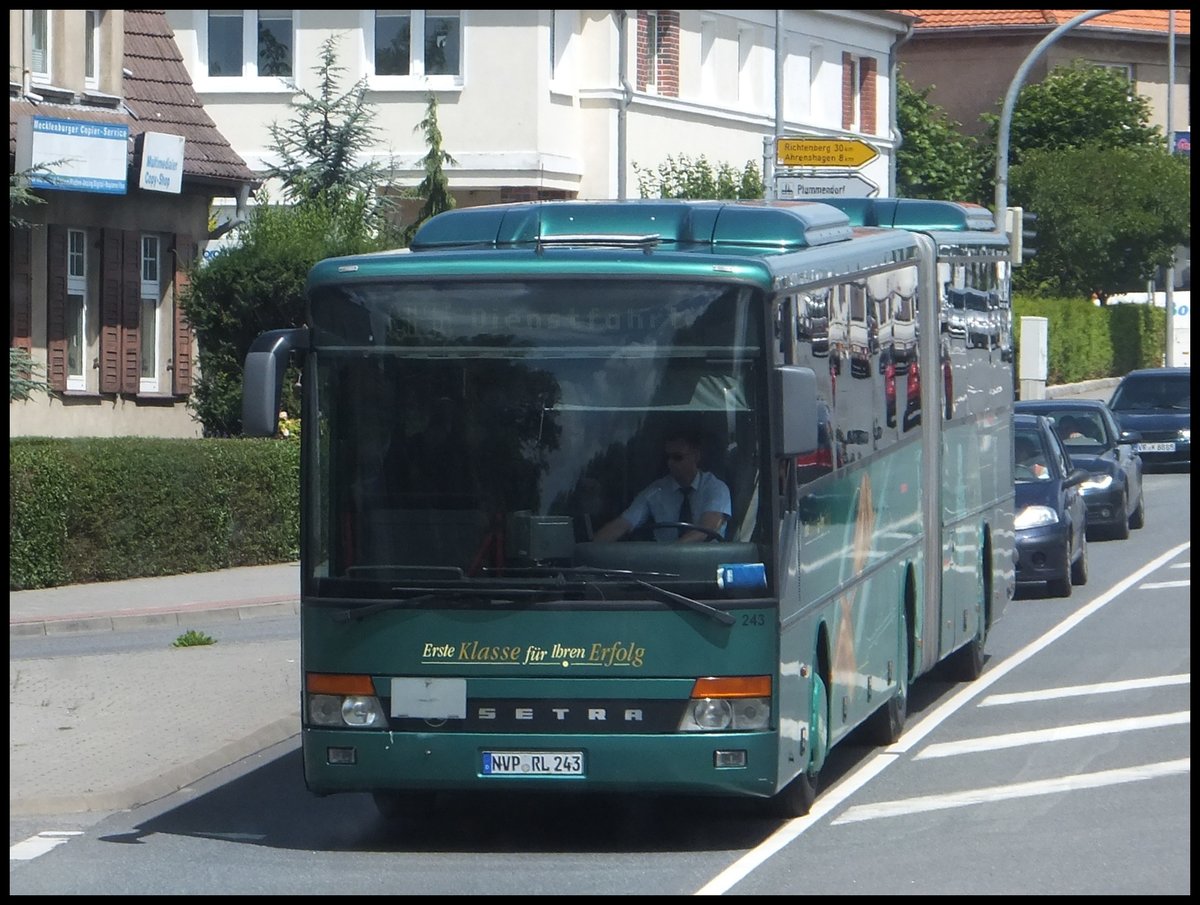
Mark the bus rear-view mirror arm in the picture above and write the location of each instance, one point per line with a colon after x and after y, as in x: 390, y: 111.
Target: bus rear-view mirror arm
x: 266, y: 363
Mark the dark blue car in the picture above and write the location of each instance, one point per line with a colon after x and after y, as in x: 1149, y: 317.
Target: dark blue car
x: 1094, y: 441
x: 1157, y: 403
x: 1050, y: 516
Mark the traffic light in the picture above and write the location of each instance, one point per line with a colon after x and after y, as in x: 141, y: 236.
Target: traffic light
x: 1019, y: 224
x: 1028, y: 235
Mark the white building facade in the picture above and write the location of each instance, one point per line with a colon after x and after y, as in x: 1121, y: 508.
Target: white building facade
x: 551, y: 104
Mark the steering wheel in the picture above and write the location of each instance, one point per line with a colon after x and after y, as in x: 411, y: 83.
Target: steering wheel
x: 688, y: 526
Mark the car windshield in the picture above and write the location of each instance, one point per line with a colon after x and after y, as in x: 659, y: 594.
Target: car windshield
x: 1150, y: 392
x: 1029, y: 458
x: 1080, y: 431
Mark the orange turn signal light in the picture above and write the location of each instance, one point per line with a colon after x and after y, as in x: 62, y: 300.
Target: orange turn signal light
x: 331, y: 683
x: 732, y: 687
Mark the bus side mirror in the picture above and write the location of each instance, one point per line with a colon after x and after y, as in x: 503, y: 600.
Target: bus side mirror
x: 797, y: 395
x: 262, y: 379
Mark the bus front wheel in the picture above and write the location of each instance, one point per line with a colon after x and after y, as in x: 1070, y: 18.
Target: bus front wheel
x: 796, y: 798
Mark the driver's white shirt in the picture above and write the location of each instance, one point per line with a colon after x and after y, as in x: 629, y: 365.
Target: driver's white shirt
x: 661, y: 499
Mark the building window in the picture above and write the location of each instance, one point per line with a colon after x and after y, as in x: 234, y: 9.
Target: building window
x: 76, y: 309
x: 658, y: 52
x: 393, y: 41
x: 250, y: 43
x: 275, y: 42
x: 148, y: 326
x: 39, y: 44
x: 1125, y: 70
x: 91, y: 48
x: 414, y: 43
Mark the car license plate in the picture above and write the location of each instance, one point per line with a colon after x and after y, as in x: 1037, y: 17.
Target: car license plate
x: 533, y: 763
x: 1154, y: 447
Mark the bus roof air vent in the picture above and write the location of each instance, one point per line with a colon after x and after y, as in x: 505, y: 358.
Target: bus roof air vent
x: 914, y: 213
x: 639, y: 224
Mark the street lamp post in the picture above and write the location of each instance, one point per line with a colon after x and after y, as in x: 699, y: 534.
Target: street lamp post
x: 1010, y: 101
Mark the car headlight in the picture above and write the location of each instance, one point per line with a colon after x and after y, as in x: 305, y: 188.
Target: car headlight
x: 1097, y: 482
x: 1035, y: 517
x: 1185, y: 433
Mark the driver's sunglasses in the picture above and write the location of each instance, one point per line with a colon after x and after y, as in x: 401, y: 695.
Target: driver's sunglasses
x: 676, y: 456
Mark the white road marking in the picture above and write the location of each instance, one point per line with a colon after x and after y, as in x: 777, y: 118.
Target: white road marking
x: 1180, y: 565
x: 1158, y: 585
x: 1017, y: 790
x: 833, y: 797
x: 1074, y: 691
x: 1057, y: 734
x: 43, y: 842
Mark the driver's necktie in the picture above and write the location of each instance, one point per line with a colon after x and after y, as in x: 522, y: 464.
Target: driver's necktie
x: 685, y: 508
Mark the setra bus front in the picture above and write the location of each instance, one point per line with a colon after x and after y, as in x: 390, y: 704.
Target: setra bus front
x: 472, y: 420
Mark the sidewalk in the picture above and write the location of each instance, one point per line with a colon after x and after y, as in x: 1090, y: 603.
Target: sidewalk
x: 111, y: 731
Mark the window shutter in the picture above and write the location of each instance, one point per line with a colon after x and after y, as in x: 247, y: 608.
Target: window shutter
x: 56, y: 307
x: 21, y: 289
x: 110, y: 311
x: 181, y: 377
x: 131, y: 300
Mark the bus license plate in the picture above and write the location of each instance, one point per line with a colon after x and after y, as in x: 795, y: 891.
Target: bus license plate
x: 1154, y: 447
x: 533, y: 763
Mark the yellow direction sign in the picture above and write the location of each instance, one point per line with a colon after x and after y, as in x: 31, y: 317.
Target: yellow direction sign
x: 823, y: 152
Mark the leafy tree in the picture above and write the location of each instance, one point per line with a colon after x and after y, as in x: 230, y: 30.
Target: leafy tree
x: 20, y: 194
x: 435, y: 187
x: 25, y: 376
x: 1075, y: 106
x: 1076, y: 142
x: 258, y: 284
x: 934, y: 159
x: 1105, y: 240
x: 322, y: 148
x: 684, y: 177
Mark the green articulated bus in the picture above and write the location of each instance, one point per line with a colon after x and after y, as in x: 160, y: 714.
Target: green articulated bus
x: 481, y: 409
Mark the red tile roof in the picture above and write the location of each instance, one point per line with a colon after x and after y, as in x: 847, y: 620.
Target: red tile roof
x: 157, y: 97
x: 1144, y: 20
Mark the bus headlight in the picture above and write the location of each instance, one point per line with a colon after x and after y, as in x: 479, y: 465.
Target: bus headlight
x: 344, y: 702
x: 361, y: 712
x: 731, y: 703
x: 344, y: 712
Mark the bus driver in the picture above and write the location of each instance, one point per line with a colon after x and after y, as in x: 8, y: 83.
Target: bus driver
x: 685, y: 494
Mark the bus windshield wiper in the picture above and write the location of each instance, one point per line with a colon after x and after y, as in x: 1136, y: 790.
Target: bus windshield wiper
x: 361, y: 612
x: 720, y: 615
x: 572, y: 571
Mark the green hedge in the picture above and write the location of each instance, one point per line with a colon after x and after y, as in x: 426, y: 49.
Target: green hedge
x: 1086, y: 342
x: 101, y: 509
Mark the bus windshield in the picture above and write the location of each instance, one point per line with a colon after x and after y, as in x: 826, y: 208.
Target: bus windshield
x: 484, y: 430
